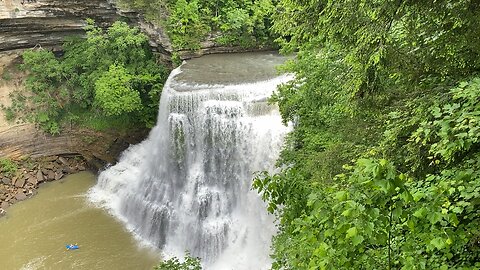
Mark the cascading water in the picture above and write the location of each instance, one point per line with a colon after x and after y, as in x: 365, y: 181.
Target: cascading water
x: 187, y: 187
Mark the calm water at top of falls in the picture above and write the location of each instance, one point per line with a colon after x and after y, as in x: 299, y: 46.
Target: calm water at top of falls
x: 34, y: 233
x: 233, y: 68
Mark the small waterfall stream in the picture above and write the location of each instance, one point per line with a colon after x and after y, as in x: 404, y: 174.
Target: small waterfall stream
x: 187, y: 187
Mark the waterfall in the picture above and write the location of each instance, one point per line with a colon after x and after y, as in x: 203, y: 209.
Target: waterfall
x: 187, y: 187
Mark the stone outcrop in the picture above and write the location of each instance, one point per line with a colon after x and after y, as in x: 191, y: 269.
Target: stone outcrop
x: 22, y: 184
x: 98, y: 148
x: 30, y: 23
x: 23, y: 140
x: 46, y: 23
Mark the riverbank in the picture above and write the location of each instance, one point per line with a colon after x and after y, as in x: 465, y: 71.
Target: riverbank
x: 36, y: 231
x: 19, y: 176
x: 24, y: 177
x: 30, y: 157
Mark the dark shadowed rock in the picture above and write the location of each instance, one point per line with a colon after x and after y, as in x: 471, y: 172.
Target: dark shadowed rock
x: 50, y: 175
x: 68, y: 170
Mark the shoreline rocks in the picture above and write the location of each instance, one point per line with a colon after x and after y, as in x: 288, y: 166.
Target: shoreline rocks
x: 31, y: 174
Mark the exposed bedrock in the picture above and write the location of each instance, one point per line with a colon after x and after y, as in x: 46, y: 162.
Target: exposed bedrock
x: 30, y: 23
x: 98, y: 148
x: 46, y: 23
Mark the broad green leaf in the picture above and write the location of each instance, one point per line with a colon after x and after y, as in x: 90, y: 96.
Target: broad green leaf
x: 357, y: 239
x: 351, y: 232
x: 438, y: 242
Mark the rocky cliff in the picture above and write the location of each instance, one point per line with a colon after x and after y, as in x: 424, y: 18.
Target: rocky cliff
x: 46, y: 23
x: 98, y: 148
x: 21, y: 140
x: 30, y: 23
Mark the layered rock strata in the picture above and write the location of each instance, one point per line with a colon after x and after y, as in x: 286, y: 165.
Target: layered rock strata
x: 46, y: 23
x: 98, y: 148
x: 30, y: 23
x: 23, y: 140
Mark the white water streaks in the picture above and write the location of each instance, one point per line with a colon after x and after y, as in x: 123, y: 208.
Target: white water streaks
x: 187, y: 187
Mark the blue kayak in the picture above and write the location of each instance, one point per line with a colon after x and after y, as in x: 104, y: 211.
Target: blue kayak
x: 71, y: 247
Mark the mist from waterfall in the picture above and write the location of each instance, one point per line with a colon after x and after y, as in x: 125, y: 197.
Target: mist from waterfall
x: 187, y: 187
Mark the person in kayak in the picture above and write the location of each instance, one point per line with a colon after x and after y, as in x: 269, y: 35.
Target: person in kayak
x: 71, y: 246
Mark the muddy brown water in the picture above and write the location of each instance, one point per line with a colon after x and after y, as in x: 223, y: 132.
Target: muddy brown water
x: 34, y: 233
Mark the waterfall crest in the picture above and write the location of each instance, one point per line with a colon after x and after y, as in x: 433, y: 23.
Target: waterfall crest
x: 187, y: 187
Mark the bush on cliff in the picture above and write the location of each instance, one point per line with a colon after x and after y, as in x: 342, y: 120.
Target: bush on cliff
x: 110, y: 79
x: 8, y: 167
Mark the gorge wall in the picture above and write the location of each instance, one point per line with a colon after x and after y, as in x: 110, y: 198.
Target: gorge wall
x: 45, y: 23
x: 20, y: 140
x: 30, y: 23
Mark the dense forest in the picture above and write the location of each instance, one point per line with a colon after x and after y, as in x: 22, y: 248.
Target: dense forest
x: 245, y: 23
x: 382, y: 169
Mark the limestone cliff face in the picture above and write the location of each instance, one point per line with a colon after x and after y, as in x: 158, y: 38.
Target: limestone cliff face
x: 20, y: 140
x: 98, y: 148
x: 30, y: 23
x: 46, y: 23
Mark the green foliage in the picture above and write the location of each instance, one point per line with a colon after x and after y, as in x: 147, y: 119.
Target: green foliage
x: 190, y: 263
x: 114, y: 94
x: 390, y: 88
x: 243, y: 23
x: 453, y: 130
x: 6, y: 76
x: 111, y: 73
x: 8, y: 167
x: 185, y: 25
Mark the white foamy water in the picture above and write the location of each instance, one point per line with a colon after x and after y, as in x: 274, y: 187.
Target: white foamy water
x: 187, y: 187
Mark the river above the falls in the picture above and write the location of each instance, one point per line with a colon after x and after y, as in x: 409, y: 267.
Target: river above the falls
x: 34, y: 233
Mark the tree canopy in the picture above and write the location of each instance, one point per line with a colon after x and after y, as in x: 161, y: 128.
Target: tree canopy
x: 243, y: 23
x: 381, y: 170
x: 110, y: 79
